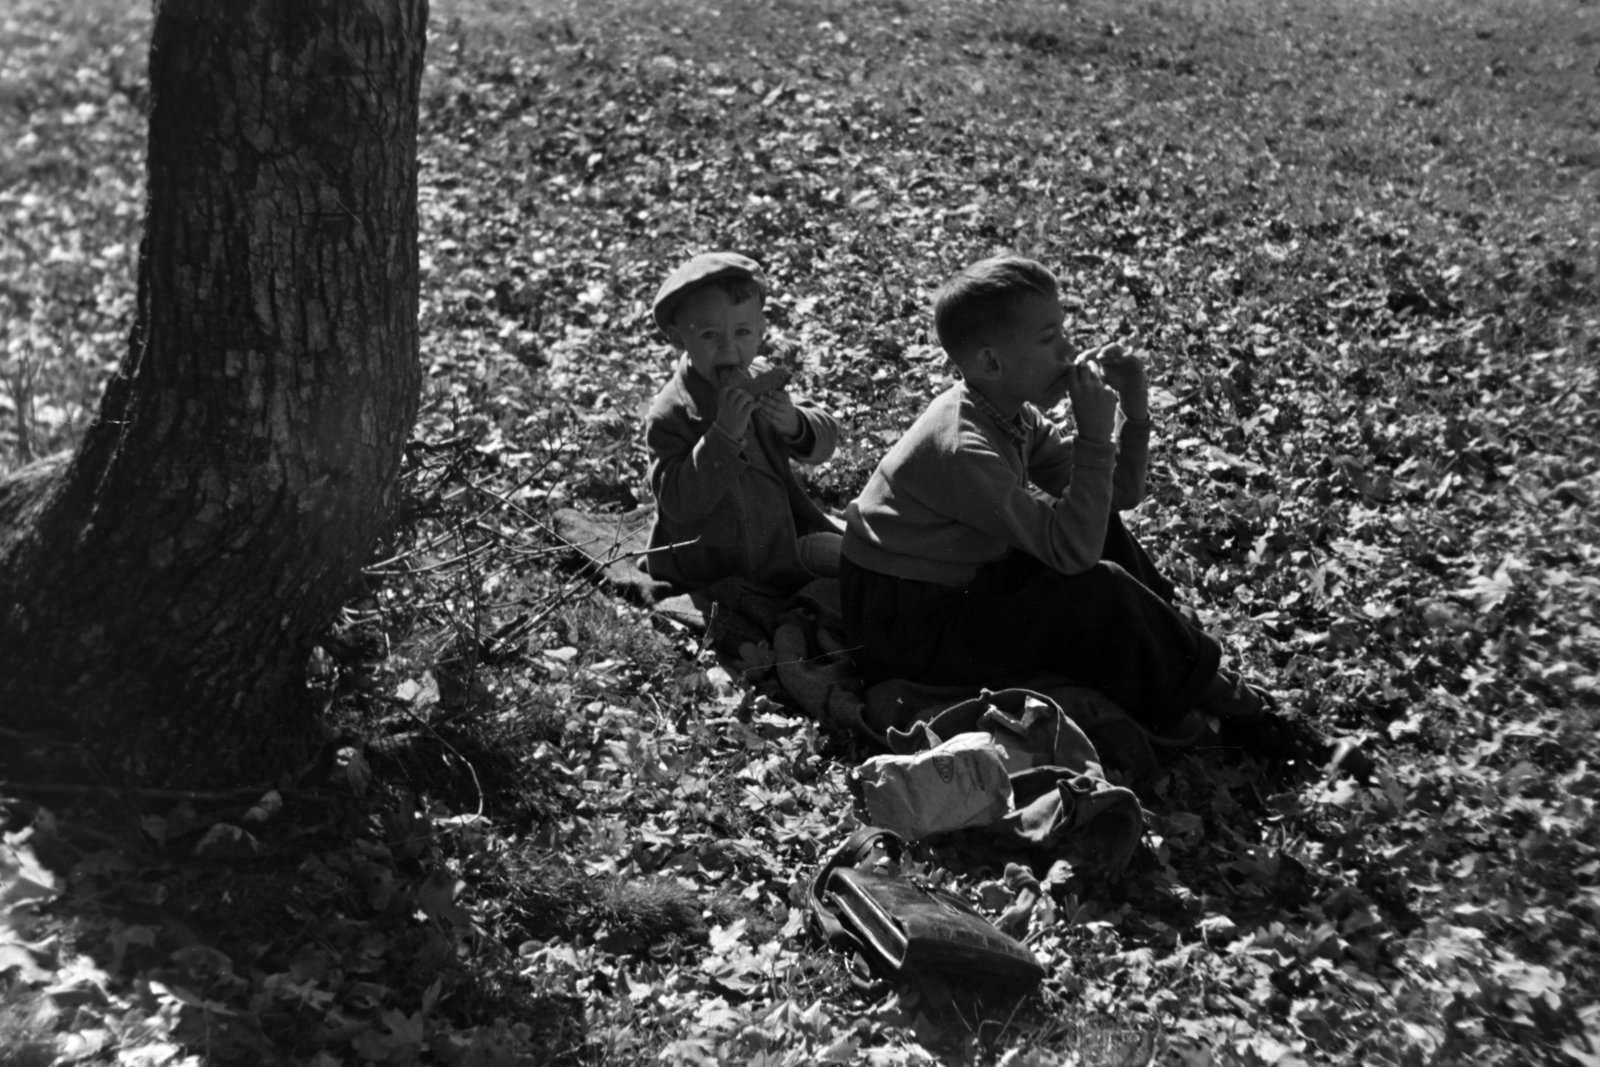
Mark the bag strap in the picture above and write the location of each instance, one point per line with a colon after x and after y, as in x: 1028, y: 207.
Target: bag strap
x: 857, y: 847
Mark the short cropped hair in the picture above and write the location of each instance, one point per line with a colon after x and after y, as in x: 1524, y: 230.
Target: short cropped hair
x: 976, y: 302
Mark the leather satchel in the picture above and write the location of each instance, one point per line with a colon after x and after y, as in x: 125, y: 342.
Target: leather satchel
x: 908, y: 930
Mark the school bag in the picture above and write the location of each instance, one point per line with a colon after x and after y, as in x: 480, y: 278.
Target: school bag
x: 1009, y: 768
x: 907, y: 930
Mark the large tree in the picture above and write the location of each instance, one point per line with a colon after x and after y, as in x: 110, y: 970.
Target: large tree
x: 161, y: 590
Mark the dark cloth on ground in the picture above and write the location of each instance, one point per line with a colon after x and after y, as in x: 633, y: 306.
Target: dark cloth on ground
x: 612, y: 545
x: 795, y: 641
x: 1112, y: 627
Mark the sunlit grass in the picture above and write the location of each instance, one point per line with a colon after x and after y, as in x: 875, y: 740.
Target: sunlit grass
x: 26, y: 1023
x: 1471, y: 124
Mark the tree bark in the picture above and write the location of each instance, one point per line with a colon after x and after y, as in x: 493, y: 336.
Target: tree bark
x: 160, y: 593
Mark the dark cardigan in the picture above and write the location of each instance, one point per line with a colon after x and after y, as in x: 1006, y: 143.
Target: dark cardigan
x: 705, y: 487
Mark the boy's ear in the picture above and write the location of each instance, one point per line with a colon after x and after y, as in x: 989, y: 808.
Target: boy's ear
x: 675, y: 338
x: 984, y: 364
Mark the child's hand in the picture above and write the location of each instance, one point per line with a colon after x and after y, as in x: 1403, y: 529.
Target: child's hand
x: 1094, y: 404
x: 1124, y: 371
x: 779, y: 411
x: 734, y: 408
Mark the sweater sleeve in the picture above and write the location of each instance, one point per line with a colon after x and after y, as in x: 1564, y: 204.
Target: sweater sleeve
x: 1051, y: 461
x: 984, y: 492
x: 1133, y: 459
x: 689, y: 476
x: 1050, y: 457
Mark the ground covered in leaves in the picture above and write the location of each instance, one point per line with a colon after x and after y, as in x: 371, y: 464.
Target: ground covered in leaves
x: 1358, y: 242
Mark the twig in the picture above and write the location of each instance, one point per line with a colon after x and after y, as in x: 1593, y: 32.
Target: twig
x: 597, y: 561
x: 561, y: 598
x: 513, y: 505
x: 429, y: 546
x: 596, y: 564
x: 439, y: 446
x: 67, y: 789
x: 426, y: 725
x: 475, y: 592
x: 452, y: 561
x: 67, y: 829
x: 408, y: 553
x: 539, y: 552
x: 512, y: 543
x: 380, y: 567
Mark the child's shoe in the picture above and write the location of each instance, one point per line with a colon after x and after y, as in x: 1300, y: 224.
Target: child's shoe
x: 1231, y: 697
x: 1185, y: 733
x: 1278, y: 737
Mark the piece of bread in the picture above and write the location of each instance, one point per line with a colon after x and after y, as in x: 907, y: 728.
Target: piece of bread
x: 767, y: 381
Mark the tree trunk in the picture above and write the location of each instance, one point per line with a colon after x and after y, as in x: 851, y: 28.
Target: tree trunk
x: 160, y: 593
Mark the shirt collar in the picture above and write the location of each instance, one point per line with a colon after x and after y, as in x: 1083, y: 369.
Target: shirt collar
x: 697, y: 393
x: 1011, y: 427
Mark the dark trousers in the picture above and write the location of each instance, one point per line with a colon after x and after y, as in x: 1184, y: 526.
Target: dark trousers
x: 1112, y: 628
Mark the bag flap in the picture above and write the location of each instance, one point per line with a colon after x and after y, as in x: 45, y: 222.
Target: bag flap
x: 871, y: 905
x: 914, y: 928
x: 824, y: 912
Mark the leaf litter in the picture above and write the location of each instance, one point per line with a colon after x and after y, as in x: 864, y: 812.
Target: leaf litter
x: 1360, y: 252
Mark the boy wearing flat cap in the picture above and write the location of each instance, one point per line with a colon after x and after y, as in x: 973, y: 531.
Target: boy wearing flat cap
x: 721, y: 438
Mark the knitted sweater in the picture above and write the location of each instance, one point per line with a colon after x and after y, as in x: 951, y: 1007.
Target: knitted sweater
x: 953, y: 493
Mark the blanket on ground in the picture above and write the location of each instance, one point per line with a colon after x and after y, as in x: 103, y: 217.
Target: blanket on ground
x: 795, y: 641
x: 1014, y: 771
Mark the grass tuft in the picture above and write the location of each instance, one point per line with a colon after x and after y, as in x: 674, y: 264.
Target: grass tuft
x: 549, y: 897
x: 26, y: 1027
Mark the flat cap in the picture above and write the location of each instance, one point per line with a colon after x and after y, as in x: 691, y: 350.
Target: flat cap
x: 699, y: 270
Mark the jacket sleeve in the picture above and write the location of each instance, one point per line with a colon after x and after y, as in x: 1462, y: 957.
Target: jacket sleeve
x: 689, y: 473
x: 819, y: 435
x: 1068, y: 534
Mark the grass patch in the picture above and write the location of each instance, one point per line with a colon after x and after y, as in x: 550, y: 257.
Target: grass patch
x: 27, y: 1020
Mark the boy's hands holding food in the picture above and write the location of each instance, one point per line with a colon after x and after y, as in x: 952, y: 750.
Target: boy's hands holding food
x: 1094, y: 404
x: 735, y: 405
x: 778, y: 409
x: 1124, y: 371
x: 758, y: 387
x: 766, y: 383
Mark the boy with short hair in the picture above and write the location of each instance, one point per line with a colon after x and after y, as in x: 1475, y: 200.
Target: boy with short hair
x: 727, y: 501
x: 986, y: 548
